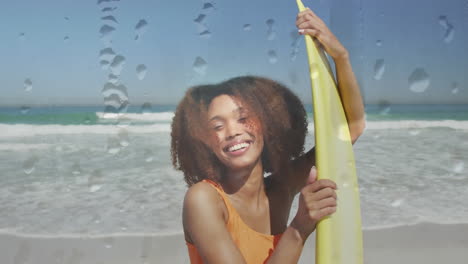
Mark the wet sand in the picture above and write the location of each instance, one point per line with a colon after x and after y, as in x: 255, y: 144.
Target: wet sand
x: 422, y: 243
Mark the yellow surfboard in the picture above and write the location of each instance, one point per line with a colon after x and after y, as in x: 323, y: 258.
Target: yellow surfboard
x: 339, y: 237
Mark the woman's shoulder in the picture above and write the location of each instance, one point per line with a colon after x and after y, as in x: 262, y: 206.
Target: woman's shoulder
x: 202, y: 200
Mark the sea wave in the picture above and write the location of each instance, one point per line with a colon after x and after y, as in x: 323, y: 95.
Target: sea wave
x: 149, y: 117
x: 25, y: 130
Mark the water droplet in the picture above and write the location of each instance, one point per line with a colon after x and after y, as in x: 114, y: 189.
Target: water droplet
x: 455, y: 88
x: 449, y: 29
x: 293, y: 76
x: 114, y: 79
x: 30, y: 164
x: 205, y: 34
x: 449, y: 34
x: 76, y: 169
x: 109, y: 18
x: 200, y: 19
x: 25, y: 109
x: 200, y: 66
x: 384, y: 107
x: 104, y: 64
x: 22, y: 36
x: 379, y: 69
x: 247, y: 27
x: 271, y: 34
x: 314, y: 73
x: 443, y: 22
x: 146, y: 108
x: 106, y: 54
x: 106, y: 30
x: 418, y: 80
x: 117, y: 64
x: 379, y: 43
x: 104, y: 1
x: 140, y: 28
x: 459, y: 166
x: 397, y: 202
x: 66, y: 39
x: 108, y: 242
x: 141, y: 71
x: 208, y: 7
x: 272, y: 57
x: 123, y: 138
x: 108, y: 9
x: 95, y: 181
x: 115, y: 96
x: 148, y: 155
x: 66, y: 18
x: 27, y: 85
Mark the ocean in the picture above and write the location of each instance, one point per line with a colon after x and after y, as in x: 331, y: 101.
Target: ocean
x: 78, y: 170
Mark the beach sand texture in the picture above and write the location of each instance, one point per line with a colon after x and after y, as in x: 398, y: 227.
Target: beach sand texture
x: 421, y: 243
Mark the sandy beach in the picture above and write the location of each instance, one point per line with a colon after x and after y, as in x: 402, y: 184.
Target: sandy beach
x: 421, y: 243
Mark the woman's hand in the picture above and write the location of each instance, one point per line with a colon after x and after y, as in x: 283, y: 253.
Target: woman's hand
x: 309, y: 23
x: 317, y: 200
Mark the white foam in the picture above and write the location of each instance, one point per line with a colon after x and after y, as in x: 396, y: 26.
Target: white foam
x: 22, y: 147
x: 22, y: 130
x: 162, y: 116
x: 409, y: 124
x: 25, y: 130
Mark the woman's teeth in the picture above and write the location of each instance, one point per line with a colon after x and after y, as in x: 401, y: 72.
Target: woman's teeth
x: 238, y: 146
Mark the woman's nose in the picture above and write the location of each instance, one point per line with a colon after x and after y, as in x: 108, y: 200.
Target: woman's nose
x: 232, y: 130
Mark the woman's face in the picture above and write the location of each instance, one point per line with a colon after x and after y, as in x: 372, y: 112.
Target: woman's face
x: 235, y: 133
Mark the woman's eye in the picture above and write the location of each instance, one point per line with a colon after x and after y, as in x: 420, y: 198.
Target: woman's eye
x: 242, y: 119
x: 218, y: 127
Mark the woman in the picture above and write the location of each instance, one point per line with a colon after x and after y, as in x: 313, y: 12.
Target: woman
x: 226, y: 137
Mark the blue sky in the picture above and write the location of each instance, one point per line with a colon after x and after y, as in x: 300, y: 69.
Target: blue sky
x: 55, y: 45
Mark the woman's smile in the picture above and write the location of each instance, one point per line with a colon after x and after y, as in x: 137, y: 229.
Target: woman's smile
x: 237, y: 138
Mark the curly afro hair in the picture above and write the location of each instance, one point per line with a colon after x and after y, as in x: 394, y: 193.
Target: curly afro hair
x: 281, y: 114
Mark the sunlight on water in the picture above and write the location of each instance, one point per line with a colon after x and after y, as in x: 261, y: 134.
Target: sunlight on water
x: 419, y: 80
x: 397, y: 203
x: 379, y: 69
x: 459, y: 166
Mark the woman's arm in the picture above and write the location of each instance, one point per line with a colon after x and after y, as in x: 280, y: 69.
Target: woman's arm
x: 317, y: 200
x: 310, y: 24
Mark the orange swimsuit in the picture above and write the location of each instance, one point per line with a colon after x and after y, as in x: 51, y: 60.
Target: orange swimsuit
x: 254, y: 246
